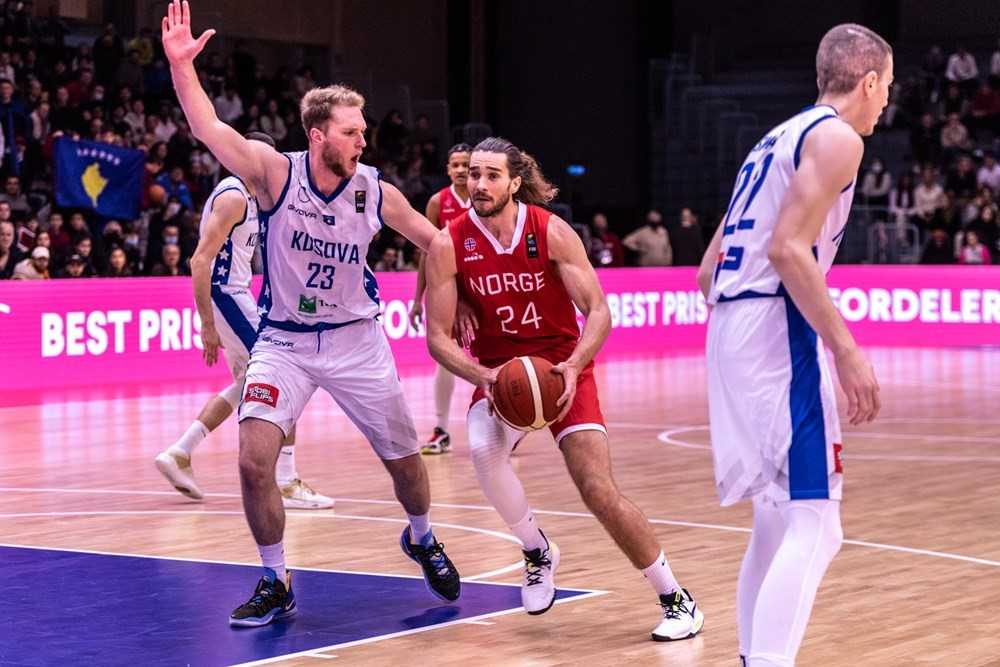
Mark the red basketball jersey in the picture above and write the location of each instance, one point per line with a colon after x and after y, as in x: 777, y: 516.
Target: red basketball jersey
x: 520, y: 301
x: 450, y: 206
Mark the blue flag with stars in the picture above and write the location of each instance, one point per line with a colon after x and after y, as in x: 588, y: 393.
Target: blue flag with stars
x: 100, y: 177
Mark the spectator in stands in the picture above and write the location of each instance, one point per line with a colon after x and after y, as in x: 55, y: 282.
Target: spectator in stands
x: 170, y: 265
x: 77, y: 227
x: 875, y: 187
x: 176, y: 187
x: 388, y: 260
x: 973, y: 252
x: 118, y: 266
x: 987, y: 228
x: 130, y: 73
x: 9, y: 254
x: 938, y: 249
x: 41, y: 127
x: 12, y: 194
x: 108, y: 50
x: 934, y: 65
x: 272, y: 124
x: 390, y: 136
x: 84, y: 247
x: 962, y: 69
x: 35, y: 267
x: 80, y: 88
x: 76, y: 267
x: 229, y: 106
x: 961, y: 182
x: 989, y: 173
x: 925, y: 140
x: 605, y: 246
x: 901, y: 202
x: 687, y: 240
x: 651, y: 242
x: 61, y: 239
x: 984, y: 114
x: 954, y: 136
x: 953, y: 102
x: 928, y: 196
x: 143, y: 45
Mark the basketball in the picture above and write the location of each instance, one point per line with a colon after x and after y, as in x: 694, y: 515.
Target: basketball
x: 526, y: 392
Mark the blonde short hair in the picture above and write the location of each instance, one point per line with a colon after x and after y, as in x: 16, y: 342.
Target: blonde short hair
x: 318, y: 104
x: 846, y: 54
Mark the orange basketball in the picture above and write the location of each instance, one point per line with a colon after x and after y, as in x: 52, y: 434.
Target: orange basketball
x: 526, y: 392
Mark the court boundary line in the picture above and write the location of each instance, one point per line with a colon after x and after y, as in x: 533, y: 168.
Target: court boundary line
x: 580, y: 515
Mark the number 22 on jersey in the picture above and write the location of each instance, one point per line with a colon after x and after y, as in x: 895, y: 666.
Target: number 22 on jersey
x: 731, y: 259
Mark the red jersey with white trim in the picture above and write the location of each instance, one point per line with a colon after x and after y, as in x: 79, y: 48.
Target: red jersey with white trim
x: 450, y: 206
x: 520, y: 301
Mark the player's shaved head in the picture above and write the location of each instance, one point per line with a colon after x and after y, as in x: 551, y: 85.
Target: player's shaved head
x: 846, y: 54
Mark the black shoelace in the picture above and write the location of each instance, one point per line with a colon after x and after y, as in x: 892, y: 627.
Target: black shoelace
x: 674, y: 608
x: 435, y: 556
x: 535, y: 565
x: 261, y: 600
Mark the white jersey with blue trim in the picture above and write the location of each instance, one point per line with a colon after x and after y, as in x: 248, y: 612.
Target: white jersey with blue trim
x: 743, y: 269
x: 314, y: 249
x: 232, y: 264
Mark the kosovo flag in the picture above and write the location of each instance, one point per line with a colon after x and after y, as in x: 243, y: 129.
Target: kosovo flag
x: 98, y: 176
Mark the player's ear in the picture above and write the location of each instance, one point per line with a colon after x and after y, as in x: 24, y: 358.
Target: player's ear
x: 316, y: 134
x: 515, y: 184
x: 870, y: 82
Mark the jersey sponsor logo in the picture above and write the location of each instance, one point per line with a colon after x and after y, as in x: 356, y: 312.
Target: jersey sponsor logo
x: 342, y: 252
x: 274, y: 341
x: 307, y: 304
x: 532, y: 243
x: 359, y: 201
x: 474, y: 257
x: 469, y: 244
x: 303, y: 195
x: 261, y: 393
x: 330, y: 220
x: 301, y: 211
x: 497, y: 283
x: 253, y: 239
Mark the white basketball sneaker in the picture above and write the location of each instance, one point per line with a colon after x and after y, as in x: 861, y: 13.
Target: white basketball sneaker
x: 538, y: 592
x: 297, y: 495
x: 177, y: 469
x: 681, y: 617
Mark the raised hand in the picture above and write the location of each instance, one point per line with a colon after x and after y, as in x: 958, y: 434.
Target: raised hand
x: 179, y: 44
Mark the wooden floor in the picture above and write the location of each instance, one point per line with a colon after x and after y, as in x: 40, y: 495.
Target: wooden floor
x: 918, y: 581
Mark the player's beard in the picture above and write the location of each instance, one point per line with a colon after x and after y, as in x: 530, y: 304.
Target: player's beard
x: 333, y: 160
x: 484, y: 210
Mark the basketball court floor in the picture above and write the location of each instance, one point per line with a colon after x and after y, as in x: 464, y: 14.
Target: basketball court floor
x: 104, y: 564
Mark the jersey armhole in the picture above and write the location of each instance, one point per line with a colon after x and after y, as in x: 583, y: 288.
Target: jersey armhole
x: 284, y: 190
x: 802, y: 138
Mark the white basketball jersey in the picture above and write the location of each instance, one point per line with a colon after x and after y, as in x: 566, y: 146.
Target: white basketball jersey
x: 743, y: 270
x: 232, y: 264
x: 314, y: 250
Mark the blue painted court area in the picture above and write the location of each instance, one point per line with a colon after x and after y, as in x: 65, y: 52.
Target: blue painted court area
x: 70, y: 607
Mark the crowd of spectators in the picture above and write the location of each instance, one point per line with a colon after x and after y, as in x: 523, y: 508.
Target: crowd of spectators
x: 947, y: 189
x: 117, y: 90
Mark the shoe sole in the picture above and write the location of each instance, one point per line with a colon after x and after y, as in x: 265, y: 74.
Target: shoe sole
x: 168, y: 470
x: 427, y: 584
x: 431, y: 450
x: 701, y: 626
x: 261, y: 622
x: 539, y: 612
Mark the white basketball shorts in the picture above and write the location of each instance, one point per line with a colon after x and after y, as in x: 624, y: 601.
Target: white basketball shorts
x: 771, y: 404
x: 353, y: 363
x: 236, y: 320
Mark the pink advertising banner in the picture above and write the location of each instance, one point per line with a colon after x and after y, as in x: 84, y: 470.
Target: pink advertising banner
x: 112, y: 332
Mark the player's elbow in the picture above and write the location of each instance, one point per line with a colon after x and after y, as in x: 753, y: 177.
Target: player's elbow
x: 779, y: 253
x: 437, y: 341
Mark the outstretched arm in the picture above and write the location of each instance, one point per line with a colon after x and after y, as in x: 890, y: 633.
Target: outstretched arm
x: 417, y: 309
x: 399, y: 215
x: 250, y: 160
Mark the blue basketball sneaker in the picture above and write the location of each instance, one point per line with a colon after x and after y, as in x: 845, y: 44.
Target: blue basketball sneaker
x: 440, y: 574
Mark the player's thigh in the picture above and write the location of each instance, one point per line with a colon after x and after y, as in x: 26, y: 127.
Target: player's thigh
x: 278, y: 383
x: 360, y: 374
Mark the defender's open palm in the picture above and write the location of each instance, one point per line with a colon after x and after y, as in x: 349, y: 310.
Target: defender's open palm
x: 857, y: 379
x: 179, y: 44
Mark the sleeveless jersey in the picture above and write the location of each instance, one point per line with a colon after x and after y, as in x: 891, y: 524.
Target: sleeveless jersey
x: 743, y: 270
x: 232, y: 264
x: 314, y: 249
x: 451, y: 206
x: 519, y: 300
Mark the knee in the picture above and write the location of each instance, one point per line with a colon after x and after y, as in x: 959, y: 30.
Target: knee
x: 406, y: 471
x: 255, y: 470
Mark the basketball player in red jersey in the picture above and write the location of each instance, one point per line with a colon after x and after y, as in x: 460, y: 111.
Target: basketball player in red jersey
x: 446, y: 205
x: 522, y: 270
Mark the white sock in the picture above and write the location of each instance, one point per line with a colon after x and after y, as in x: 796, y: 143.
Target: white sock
x: 272, y: 557
x: 812, y: 538
x: 527, y: 531
x: 768, y: 529
x: 444, y: 386
x: 194, y: 434
x: 420, y: 527
x: 660, y: 576
x: 284, y: 470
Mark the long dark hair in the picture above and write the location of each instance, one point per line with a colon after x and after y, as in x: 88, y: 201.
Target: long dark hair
x: 535, y: 188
